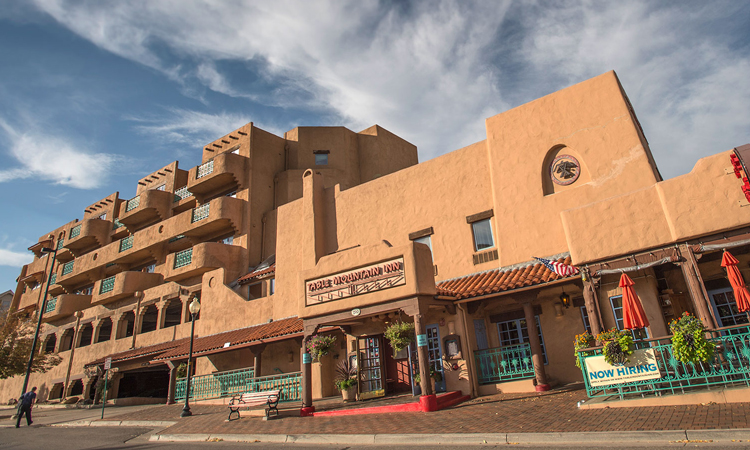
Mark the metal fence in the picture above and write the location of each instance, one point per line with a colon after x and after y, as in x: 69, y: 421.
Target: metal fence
x: 51, y: 304
x: 126, y: 243
x: 67, y: 267
x: 107, y: 285
x: 235, y: 382
x: 183, y: 258
x: 204, y: 169
x: 133, y: 203
x: 511, y: 362
x: 200, y: 212
x: 730, y: 366
x: 181, y: 194
x: 75, y: 231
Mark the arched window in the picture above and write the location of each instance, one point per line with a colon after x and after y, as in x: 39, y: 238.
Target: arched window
x: 66, y: 340
x: 126, y: 325
x: 150, y: 319
x: 86, y: 333
x: 49, y: 344
x: 173, y: 313
x: 105, y: 330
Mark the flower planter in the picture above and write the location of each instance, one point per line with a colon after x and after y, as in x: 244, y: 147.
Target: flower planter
x: 349, y: 395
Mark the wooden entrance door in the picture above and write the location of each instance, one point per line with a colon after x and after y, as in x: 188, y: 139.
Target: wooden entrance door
x: 370, y: 366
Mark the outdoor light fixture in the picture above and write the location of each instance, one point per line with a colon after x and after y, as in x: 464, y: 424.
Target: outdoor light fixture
x: 565, y: 299
x: 194, y: 308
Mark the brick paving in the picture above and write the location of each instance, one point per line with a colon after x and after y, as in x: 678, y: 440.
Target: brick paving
x: 554, y: 411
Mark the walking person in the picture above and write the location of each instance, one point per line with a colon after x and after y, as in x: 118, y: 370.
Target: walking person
x: 25, y: 403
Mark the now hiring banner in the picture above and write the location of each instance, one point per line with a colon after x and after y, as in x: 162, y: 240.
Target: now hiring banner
x: 642, y: 366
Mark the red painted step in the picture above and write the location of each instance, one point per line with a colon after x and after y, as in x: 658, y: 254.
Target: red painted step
x: 451, y: 398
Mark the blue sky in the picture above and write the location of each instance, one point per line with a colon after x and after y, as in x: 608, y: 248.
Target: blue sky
x: 96, y: 94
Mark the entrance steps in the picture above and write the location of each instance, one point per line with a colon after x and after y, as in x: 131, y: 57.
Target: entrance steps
x: 443, y: 401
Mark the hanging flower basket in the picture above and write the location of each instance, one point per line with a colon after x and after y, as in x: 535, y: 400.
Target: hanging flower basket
x: 320, y: 345
x: 583, y: 340
x: 689, y: 344
x: 618, y: 346
x: 400, y: 335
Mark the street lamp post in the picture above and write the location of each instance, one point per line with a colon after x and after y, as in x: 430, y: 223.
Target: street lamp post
x: 195, y: 307
x: 47, y: 251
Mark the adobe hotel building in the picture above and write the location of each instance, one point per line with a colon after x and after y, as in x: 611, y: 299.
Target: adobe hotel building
x: 329, y: 231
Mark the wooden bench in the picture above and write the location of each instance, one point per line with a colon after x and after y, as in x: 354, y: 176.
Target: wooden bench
x: 248, y: 399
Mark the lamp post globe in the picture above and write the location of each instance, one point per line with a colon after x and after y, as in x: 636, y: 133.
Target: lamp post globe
x: 194, y: 308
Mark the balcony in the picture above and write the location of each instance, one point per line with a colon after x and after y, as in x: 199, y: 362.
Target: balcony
x: 131, y: 249
x: 119, y: 230
x: 64, y: 306
x: 221, y: 214
x: 202, y: 258
x: 76, y: 272
x: 54, y: 288
x: 222, y: 171
x: 145, y: 208
x: 30, y: 299
x: 87, y: 234
x: 122, y: 285
x: 63, y: 253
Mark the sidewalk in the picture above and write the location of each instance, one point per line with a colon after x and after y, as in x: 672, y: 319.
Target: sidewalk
x: 532, y: 418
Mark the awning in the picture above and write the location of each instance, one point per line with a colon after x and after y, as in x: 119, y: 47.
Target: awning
x: 244, y: 337
x: 501, y: 280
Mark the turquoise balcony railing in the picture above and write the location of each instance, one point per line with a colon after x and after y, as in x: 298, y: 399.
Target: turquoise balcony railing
x: 200, y: 212
x: 51, y: 304
x: 729, y: 367
x: 67, y: 267
x: 126, y: 243
x: 108, y: 284
x: 215, y: 385
x: 117, y: 225
x: 177, y: 238
x: 181, y: 194
x: 60, y: 244
x: 512, y: 362
x: 75, y: 231
x: 53, y: 279
x: 204, y: 169
x: 133, y: 203
x: 226, y: 384
x: 183, y: 258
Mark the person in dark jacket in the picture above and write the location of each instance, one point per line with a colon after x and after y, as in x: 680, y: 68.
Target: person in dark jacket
x: 25, y: 403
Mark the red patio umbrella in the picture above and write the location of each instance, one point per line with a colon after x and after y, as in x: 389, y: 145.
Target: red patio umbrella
x: 741, y: 295
x: 632, y: 310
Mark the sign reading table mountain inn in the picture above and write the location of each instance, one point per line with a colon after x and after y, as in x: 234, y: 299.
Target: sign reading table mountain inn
x: 364, y: 280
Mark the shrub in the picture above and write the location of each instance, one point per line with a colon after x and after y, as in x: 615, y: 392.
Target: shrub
x: 400, y: 335
x: 618, y: 345
x: 689, y: 344
x: 320, y: 345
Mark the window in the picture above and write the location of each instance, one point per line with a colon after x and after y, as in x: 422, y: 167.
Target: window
x: 272, y: 286
x: 227, y: 240
x: 725, y: 308
x: 232, y: 194
x: 513, y: 332
x: 161, y: 187
x: 482, y: 235
x: 103, y: 216
x: 616, y: 303
x: 321, y: 159
x: 236, y: 151
x: 86, y: 290
x: 585, y: 317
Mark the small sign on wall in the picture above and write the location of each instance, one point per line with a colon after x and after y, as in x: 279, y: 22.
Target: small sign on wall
x: 421, y: 340
x: 306, y: 358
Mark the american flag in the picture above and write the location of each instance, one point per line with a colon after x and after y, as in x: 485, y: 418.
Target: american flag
x: 564, y: 270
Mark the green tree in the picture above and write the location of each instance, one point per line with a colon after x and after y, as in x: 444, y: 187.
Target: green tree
x: 16, y: 336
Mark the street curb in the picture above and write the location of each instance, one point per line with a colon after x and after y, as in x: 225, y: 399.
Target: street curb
x: 116, y: 423
x: 470, y: 438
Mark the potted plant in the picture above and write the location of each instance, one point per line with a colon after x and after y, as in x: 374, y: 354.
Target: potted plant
x: 346, y: 380
x: 400, y: 335
x: 689, y: 344
x: 435, y: 377
x: 618, y: 345
x: 583, y: 340
x: 320, y: 345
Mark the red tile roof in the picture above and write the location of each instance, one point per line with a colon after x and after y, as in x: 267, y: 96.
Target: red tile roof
x: 257, y: 274
x: 206, y: 344
x: 499, y: 280
x: 141, y: 352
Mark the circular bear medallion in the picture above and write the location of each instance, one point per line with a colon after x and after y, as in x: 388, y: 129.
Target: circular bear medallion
x: 564, y: 170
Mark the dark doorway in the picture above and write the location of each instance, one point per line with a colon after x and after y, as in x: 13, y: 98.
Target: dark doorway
x: 125, y: 327
x: 150, y: 319
x: 105, y: 330
x: 49, y: 345
x: 86, y: 333
x: 173, y: 313
x: 144, y: 383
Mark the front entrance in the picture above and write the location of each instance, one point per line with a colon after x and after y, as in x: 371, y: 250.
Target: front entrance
x: 435, y: 352
x: 370, y: 364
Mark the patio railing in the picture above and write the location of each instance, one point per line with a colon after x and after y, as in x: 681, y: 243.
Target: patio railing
x: 512, y: 362
x: 181, y: 194
x: 730, y: 366
x: 204, y: 169
x: 233, y: 382
x: 75, y: 231
x: 133, y: 203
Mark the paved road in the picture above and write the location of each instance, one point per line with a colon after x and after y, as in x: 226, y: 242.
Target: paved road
x: 57, y: 438
x: 49, y: 416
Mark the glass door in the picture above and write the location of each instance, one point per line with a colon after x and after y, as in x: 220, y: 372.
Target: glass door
x: 434, y: 350
x: 370, y: 366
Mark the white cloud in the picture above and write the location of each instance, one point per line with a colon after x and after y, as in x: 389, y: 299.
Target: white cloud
x: 189, y: 127
x: 52, y: 158
x: 14, y: 259
x: 433, y: 71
